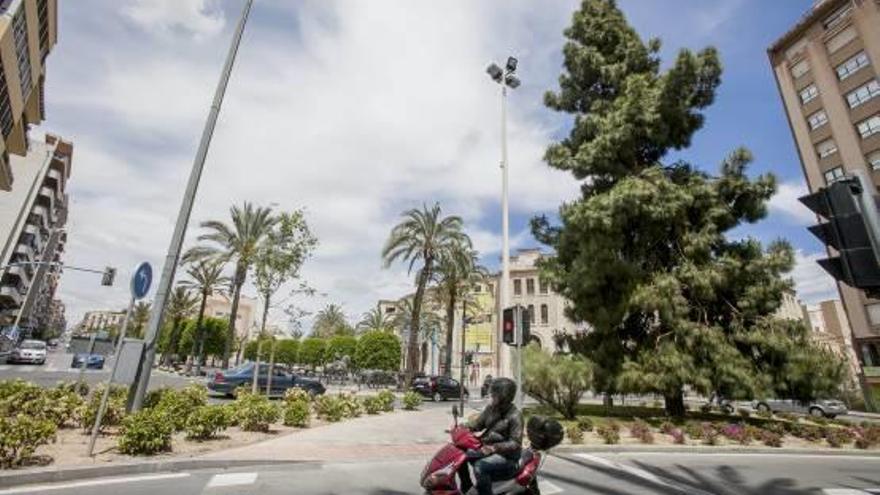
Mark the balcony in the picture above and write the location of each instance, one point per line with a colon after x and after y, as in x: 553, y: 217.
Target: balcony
x: 26, y: 250
x: 10, y: 296
x: 47, y: 193
x: 20, y: 272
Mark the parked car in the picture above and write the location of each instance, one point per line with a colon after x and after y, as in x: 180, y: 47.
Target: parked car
x: 225, y: 382
x: 484, y: 390
x: 29, y: 351
x: 93, y: 361
x: 438, y: 388
x: 52, y: 343
x: 820, y: 408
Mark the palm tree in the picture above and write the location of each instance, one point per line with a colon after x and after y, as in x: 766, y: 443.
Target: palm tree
x: 457, y: 272
x: 331, y: 321
x: 206, y: 279
x: 140, y: 315
x: 421, y: 237
x: 429, y: 323
x: 374, y: 319
x: 181, y: 305
x: 240, y: 242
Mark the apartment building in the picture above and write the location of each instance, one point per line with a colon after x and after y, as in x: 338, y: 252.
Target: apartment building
x: 830, y: 328
x: 28, y: 31
x: 826, y: 68
x: 220, y: 306
x: 32, y: 230
x: 104, y: 319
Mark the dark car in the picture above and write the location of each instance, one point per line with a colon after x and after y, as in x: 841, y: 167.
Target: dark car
x: 487, y: 382
x: 93, y: 361
x: 438, y: 388
x: 225, y: 382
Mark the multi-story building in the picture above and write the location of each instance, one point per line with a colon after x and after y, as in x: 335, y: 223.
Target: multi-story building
x: 826, y: 69
x: 830, y: 329
x: 32, y: 231
x: 96, y: 321
x: 28, y: 31
x: 220, y: 306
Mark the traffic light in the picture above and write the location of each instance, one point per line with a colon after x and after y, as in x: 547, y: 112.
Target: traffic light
x: 508, y: 326
x: 526, y: 326
x: 108, y: 276
x: 847, y: 205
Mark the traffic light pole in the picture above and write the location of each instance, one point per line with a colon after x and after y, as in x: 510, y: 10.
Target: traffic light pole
x: 519, y: 351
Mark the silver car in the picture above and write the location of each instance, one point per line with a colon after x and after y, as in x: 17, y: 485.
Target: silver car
x: 30, y: 351
x: 820, y: 408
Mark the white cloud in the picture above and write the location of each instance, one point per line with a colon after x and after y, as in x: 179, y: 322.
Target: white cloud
x: 785, y: 202
x: 199, y: 19
x: 812, y: 282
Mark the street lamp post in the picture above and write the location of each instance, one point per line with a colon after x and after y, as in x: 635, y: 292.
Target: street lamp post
x: 506, y: 78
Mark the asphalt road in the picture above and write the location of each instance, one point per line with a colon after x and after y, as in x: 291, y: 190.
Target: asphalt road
x: 599, y: 474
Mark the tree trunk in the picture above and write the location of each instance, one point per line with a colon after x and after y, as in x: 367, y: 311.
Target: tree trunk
x: 271, y: 367
x: 412, y: 359
x: 675, y: 404
x: 198, y: 340
x: 450, y: 325
x: 240, y: 274
x: 257, y: 365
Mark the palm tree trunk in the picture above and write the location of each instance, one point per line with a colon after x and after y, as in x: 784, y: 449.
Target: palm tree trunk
x: 266, y: 297
x: 199, y: 341
x: 450, y: 325
x: 240, y: 273
x: 412, y: 359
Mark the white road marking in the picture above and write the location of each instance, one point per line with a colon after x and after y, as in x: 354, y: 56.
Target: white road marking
x: 548, y: 488
x: 641, y: 473
x: 103, y: 481
x: 232, y: 479
x: 754, y: 454
x: 844, y: 491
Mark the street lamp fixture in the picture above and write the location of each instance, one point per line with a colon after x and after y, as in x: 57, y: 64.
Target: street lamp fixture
x: 511, y: 64
x: 495, y: 72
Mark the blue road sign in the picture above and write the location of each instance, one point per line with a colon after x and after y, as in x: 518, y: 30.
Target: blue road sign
x: 141, y: 280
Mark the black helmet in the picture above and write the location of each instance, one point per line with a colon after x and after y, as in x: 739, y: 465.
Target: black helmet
x: 504, y: 389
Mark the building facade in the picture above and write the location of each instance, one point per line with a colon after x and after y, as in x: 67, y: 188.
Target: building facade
x: 830, y: 328
x: 826, y: 68
x: 28, y: 31
x: 220, y: 306
x: 96, y: 321
x: 32, y: 231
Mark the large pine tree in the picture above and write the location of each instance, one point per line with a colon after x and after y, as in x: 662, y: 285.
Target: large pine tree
x: 643, y: 255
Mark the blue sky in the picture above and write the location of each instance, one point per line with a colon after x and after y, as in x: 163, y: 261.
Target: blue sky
x: 358, y: 110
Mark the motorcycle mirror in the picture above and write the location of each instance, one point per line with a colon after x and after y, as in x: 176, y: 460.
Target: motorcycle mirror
x: 455, y: 413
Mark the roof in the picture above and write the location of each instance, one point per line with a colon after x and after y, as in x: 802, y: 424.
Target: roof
x: 816, y: 12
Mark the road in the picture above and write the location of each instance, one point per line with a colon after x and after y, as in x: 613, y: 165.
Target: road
x: 589, y: 474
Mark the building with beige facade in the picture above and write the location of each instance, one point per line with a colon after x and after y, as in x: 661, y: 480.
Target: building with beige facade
x: 220, y: 306
x: 28, y: 31
x: 103, y: 319
x: 827, y: 68
x: 830, y: 328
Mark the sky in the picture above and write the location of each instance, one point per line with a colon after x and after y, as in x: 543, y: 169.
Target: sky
x: 357, y: 111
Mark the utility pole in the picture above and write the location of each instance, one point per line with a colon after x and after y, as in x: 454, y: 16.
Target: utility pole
x: 142, y: 381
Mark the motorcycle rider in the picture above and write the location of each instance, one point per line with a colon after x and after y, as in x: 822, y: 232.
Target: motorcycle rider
x: 502, y: 426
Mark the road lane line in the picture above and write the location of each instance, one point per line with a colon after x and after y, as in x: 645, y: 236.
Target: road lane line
x: 641, y: 473
x: 103, y: 481
x: 232, y: 479
x: 844, y: 491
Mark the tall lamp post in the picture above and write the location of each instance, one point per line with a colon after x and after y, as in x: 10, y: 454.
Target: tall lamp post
x: 506, y: 78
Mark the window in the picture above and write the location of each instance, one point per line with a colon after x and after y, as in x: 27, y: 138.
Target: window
x: 491, y: 288
x: 800, y: 68
x: 834, y: 174
x: 532, y: 313
x: 873, y: 313
x: 20, y: 35
x: 796, y: 48
x: 840, y: 39
x: 874, y: 159
x: 478, y: 288
x: 863, y: 93
x: 542, y: 286
x: 869, y: 127
x: 517, y: 287
x: 837, y: 17
x: 852, y: 65
x: 809, y: 94
x: 826, y: 148
x: 530, y: 286
x: 817, y: 120
x: 545, y: 314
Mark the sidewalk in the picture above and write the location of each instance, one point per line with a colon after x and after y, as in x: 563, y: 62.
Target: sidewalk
x: 398, y: 435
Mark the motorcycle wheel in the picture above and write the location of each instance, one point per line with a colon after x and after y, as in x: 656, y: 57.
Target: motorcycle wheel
x: 532, y: 489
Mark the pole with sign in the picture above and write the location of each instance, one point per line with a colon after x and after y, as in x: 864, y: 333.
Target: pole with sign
x: 140, y: 286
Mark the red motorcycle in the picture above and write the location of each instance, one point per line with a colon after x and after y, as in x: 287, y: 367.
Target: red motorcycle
x: 438, y: 477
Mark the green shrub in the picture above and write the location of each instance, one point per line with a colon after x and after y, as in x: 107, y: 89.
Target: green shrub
x: 231, y: 410
x: 351, y: 406
x: 152, y: 398
x: 609, y: 434
x: 770, y: 438
x: 20, y: 436
x: 377, y: 350
x: 574, y: 433
x: 61, y: 405
x: 297, y: 394
x: 667, y: 427
x: 205, y: 422
x: 387, y: 399
x: 146, y: 432
x: 297, y: 413
x: 709, y: 434
x: 180, y: 404
x: 411, y: 401
x: 694, y: 430
x: 775, y: 427
x: 639, y: 429
x: 329, y: 408
x: 255, y: 412
x: 837, y: 437
x: 585, y: 423
x: 79, y: 388
x: 372, y: 404
x: 556, y: 380
x: 862, y: 443
x: 114, y: 413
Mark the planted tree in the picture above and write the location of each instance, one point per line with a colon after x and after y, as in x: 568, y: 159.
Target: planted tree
x: 378, y: 350
x: 312, y: 351
x: 181, y: 305
x: 140, y: 315
x: 330, y: 321
x: 339, y: 347
x: 286, y: 351
x: 374, y: 319
x: 644, y: 254
x: 457, y: 273
x: 205, y: 279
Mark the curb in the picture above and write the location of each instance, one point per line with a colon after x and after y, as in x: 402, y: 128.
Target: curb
x: 695, y: 449
x: 55, y: 475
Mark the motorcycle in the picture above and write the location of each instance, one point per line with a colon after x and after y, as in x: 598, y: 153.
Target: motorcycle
x: 438, y: 476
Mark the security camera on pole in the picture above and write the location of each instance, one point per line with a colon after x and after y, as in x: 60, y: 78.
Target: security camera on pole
x: 507, y: 79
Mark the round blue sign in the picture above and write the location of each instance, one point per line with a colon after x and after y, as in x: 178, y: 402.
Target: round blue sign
x: 141, y: 280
